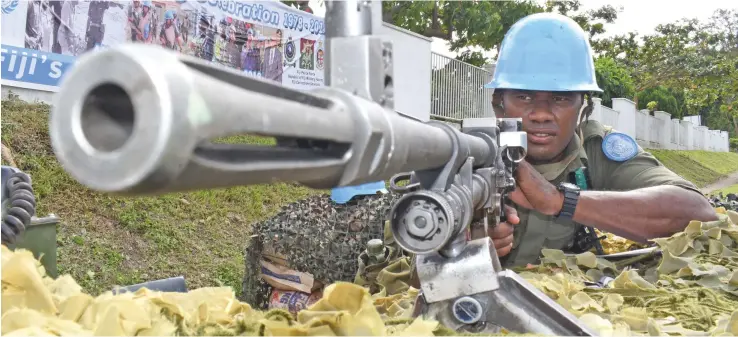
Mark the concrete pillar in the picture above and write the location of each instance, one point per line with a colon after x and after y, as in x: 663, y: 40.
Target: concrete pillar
x: 677, y: 130
x: 665, y: 132
x: 689, y: 136
x: 646, y: 120
x: 725, y: 141
x: 704, y: 141
x: 627, y: 115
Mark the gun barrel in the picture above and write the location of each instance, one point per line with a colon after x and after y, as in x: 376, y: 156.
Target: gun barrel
x: 139, y: 119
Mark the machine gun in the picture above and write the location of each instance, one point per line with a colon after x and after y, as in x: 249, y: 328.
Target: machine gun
x: 139, y: 120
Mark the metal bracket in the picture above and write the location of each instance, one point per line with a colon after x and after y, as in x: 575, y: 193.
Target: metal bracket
x: 470, y: 272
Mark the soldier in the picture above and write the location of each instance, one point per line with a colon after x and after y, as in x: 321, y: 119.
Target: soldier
x: 35, y: 38
x: 95, y: 27
x: 206, y: 39
x: 169, y: 35
x: 545, y: 74
x: 135, y: 10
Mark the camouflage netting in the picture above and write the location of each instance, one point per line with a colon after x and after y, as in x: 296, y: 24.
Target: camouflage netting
x: 316, y: 236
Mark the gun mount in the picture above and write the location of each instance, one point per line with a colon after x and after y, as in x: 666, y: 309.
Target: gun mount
x: 139, y: 120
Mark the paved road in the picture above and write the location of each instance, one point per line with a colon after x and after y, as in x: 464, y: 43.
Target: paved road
x: 732, y: 179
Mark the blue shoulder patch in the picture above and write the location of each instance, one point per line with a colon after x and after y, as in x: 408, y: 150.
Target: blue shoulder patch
x: 619, y: 147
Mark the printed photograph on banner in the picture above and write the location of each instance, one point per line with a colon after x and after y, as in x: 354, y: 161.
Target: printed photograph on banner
x: 291, y: 51
x: 40, y: 22
x: 202, y: 43
x: 320, y: 56
x: 140, y: 19
x: 251, y: 58
x: 169, y: 33
x: 72, y: 28
x: 307, y: 54
x: 273, y: 64
x: 105, y: 24
x: 229, y: 42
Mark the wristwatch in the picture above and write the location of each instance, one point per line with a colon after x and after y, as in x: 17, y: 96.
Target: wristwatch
x: 571, y: 197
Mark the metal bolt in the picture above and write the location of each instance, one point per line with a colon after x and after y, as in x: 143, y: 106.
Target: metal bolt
x: 467, y: 310
x: 420, y: 222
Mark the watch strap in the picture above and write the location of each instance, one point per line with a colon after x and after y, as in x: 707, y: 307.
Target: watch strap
x: 571, y: 198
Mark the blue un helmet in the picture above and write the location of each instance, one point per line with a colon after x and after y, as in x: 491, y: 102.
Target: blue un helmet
x: 169, y: 15
x: 545, y: 52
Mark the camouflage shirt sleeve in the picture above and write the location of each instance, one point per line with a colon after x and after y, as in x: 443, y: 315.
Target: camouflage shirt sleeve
x: 643, y: 170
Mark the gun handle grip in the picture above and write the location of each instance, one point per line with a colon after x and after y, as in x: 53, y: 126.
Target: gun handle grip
x: 503, y: 203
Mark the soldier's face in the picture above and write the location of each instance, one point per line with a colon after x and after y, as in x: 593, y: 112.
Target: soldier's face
x: 549, y: 119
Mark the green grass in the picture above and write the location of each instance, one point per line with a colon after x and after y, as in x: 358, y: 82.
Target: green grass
x: 729, y: 189
x: 700, y: 167
x: 106, y: 241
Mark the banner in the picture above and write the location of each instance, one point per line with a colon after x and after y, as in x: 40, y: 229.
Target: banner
x: 41, y: 38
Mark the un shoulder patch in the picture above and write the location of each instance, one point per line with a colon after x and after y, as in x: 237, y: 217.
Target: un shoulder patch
x: 619, y: 147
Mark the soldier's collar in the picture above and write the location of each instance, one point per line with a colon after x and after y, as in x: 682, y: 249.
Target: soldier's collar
x: 572, y: 152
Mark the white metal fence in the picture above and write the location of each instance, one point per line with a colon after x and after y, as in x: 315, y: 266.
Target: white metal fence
x: 457, y: 89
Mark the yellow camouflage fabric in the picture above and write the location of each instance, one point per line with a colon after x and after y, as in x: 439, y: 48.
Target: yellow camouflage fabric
x: 34, y: 304
x: 692, y: 290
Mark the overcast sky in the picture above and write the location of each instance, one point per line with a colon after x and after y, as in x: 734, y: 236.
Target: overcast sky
x: 641, y: 16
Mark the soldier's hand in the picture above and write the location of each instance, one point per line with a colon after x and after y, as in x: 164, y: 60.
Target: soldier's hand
x: 534, y: 192
x: 502, y: 234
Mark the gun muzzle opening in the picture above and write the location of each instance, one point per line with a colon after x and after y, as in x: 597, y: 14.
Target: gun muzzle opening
x: 422, y: 222
x: 107, y: 117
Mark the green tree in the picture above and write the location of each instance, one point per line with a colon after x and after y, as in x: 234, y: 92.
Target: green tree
x: 664, y: 98
x: 714, y: 93
x: 474, y: 58
x: 667, y: 58
x: 691, y: 61
x: 615, y: 80
x: 483, y: 24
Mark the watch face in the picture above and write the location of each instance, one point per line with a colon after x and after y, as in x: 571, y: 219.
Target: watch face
x: 568, y: 186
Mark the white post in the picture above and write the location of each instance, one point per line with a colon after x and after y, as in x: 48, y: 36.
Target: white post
x: 665, y: 132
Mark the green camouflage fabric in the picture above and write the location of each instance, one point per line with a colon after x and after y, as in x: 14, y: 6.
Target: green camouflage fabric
x: 690, y: 289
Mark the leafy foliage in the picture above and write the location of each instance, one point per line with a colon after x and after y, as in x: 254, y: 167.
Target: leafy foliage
x: 614, y: 80
x: 689, y: 67
x: 664, y: 99
x: 483, y: 24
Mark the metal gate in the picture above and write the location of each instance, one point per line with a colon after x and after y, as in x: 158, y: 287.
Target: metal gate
x: 457, y: 90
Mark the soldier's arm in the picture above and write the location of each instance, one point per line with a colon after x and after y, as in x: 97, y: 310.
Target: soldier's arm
x: 639, y: 199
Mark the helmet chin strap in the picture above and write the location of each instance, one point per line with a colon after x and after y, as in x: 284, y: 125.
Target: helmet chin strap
x: 584, y: 114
